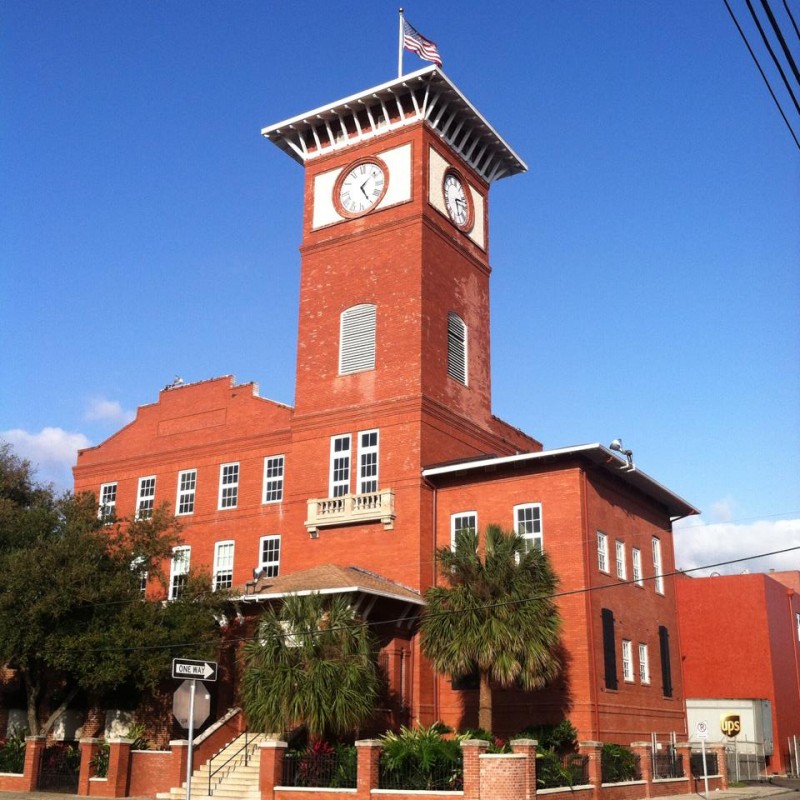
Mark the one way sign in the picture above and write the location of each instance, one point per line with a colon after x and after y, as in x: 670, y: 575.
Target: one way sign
x: 183, y: 668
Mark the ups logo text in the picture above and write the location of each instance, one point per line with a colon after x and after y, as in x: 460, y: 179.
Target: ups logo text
x: 731, y: 724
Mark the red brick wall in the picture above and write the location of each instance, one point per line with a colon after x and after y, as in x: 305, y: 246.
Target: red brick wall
x: 757, y: 657
x: 569, y: 527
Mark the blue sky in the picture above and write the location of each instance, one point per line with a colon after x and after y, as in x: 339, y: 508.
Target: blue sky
x: 646, y: 281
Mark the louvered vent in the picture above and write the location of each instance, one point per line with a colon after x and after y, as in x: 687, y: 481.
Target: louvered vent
x: 456, y: 348
x: 357, y: 348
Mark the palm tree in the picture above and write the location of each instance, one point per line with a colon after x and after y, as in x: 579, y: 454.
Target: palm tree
x: 312, y: 662
x: 496, y: 615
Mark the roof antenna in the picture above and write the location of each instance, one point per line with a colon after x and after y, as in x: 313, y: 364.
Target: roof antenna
x: 616, y: 445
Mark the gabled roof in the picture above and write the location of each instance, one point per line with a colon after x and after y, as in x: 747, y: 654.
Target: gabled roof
x: 332, y: 579
x: 596, y: 454
x: 423, y: 95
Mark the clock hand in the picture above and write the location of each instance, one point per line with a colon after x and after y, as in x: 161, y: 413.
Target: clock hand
x: 362, y: 188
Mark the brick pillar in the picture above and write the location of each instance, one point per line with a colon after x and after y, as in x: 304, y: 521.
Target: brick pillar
x: 271, y: 770
x: 369, y: 763
x: 34, y: 750
x: 684, y: 751
x: 593, y: 750
x: 89, y: 749
x: 722, y: 764
x: 119, y: 767
x: 643, y: 751
x: 527, y: 747
x: 471, y: 750
x: 180, y: 754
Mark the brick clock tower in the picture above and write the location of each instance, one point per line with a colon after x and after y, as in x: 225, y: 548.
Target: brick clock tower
x: 393, y: 360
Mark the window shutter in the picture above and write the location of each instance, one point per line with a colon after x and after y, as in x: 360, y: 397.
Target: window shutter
x: 456, y: 348
x: 666, y: 668
x: 609, y: 650
x: 357, y: 342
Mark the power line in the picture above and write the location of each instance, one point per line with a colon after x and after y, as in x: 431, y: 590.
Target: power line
x: 779, y: 33
x: 761, y: 71
x: 772, y: 55
x: 789, y: 12
x: 499, y: 604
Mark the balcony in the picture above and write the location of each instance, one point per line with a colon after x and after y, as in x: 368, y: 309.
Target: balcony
x: 351, y: 509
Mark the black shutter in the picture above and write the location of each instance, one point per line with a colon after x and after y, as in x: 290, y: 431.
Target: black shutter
x: 609, y: 648
x: 666, y: 669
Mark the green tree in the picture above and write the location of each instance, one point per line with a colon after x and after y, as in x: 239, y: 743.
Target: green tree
x: 72, y: 615
x: 313, y: 663
x: 495, y: 615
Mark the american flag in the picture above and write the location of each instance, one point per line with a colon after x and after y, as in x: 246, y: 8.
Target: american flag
x: 426, y: 49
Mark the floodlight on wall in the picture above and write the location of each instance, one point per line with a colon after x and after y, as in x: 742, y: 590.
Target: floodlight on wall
x: 616, y: 445
x: 258, y: 573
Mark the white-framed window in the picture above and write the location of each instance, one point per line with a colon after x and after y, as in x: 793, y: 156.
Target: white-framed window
x: 273, y: 479
x: 622, y: 567
x: 602, y: 552
x: 340, y: 466
x: 463, y: 521
x: 457, y: 348
x: 223, y: 565
x: 644, y: 664
x: 270, y: 556
x: 179, y: 570
x: 636, y: 560
x: 627, y: 660
x: 797, y: 622
x: 139, y: 567
x: 528, y: 524
x: 229, y: 485
x: 187, y: 486
x: 357, y: 339
x: 108, y: 502
x: 657, y: 568
x: 368, y: 442
x: 146, y: 497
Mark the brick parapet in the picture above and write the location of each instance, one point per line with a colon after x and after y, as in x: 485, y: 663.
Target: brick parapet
x: 594, y: 752
x: 369, y: 759
x: 271, y: 768
x: 472, y: 749
x: 527, y: 747
x: 643, y: 750
x: 90, y: 746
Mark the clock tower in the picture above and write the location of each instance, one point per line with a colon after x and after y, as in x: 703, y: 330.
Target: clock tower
x: 394, y: 294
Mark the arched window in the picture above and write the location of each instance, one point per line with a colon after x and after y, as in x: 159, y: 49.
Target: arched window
x: 357, y: 339
x: 456, y: 348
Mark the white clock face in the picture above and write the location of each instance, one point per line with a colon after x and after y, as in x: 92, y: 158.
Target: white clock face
x: 456, y: 201
x: 362, y: 187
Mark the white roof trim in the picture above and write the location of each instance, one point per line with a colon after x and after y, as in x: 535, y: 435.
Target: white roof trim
x: 597, y: 453
x: 298, y: 135
x: 331, y: 590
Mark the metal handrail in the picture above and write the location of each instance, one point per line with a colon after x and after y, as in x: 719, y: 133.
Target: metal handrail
x: 227, y: 761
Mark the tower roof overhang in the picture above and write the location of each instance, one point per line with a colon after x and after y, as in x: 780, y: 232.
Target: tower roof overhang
x: 596, y: 454
x: 426, y: 95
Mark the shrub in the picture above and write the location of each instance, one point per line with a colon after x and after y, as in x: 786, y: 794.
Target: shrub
x: 618, y: 763
x: 561, y: 738
x: 321, y: 764
x: 421, y: 758
x: 496, y: 744
x: 12, y: 754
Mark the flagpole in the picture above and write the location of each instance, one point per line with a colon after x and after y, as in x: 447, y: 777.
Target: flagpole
x: 400, y: 48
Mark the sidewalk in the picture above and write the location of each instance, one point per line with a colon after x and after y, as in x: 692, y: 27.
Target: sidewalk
x: 752, y: 791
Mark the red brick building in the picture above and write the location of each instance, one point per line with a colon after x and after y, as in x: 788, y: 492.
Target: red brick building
x: 392, y: 446
x: 752, y: 662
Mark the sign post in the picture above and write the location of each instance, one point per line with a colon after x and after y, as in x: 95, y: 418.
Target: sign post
x: 701, y: 732
x: 196, y: 714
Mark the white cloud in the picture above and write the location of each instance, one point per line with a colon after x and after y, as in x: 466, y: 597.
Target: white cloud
x: 53, y: 451
x: 702, y: 544
x: 107, y: 411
